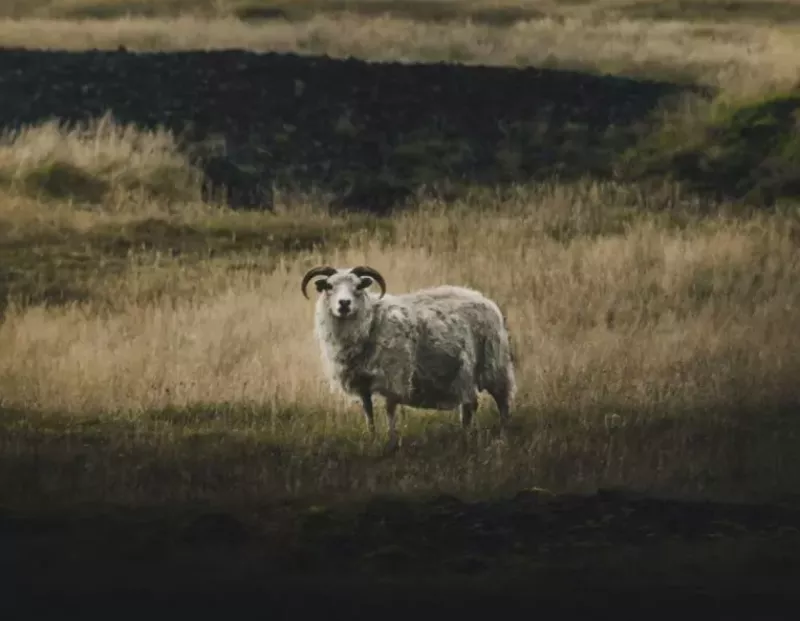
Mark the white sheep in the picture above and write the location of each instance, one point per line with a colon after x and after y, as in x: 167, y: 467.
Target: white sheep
x: 435, y: 348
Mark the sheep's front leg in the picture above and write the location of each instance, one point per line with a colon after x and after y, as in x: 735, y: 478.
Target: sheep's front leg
x: 467, y: 412
x: 366, y: 401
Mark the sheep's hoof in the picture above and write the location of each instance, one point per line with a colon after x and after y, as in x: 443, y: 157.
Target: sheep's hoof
x: 392, y: 444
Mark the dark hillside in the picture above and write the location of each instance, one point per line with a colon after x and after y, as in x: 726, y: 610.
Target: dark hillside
x: 370, y: 133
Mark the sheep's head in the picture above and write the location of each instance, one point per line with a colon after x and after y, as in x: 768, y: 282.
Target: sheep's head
x: 345, y: 290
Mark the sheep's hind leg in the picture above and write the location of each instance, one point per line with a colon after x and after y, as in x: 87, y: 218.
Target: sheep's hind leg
x: 369, y: 414
x: 501, y: 399
x: 467, y: 411
x: 391, y: 414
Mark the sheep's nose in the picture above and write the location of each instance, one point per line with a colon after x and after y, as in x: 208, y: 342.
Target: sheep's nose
x: 344, y: 306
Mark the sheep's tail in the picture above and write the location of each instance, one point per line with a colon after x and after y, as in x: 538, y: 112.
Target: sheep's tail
x: 500, y: 376
x: 512, y: 357
x: 510, y: 367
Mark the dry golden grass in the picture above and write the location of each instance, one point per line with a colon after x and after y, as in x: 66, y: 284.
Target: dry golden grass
x: 647, y: 318
x: 99, y: 162
x: 655, y: 349
x: 742, y: 57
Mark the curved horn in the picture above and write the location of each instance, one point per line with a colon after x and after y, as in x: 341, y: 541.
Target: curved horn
x: 322, y: 270
x: 363, y: 270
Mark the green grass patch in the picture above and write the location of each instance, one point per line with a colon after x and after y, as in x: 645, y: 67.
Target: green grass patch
x: 61, y: 265
x: 744, y: 150
x: 223, y: 453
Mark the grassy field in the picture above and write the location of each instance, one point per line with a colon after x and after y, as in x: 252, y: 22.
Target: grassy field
x: 155, y: 348
x: 654, y: 334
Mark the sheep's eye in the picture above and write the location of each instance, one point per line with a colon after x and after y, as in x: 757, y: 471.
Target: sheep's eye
x: 323, y: 285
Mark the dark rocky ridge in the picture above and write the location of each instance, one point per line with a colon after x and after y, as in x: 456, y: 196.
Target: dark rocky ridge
x: 369, y: 133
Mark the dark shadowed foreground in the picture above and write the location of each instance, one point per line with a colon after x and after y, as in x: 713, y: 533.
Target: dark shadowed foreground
x: 399, y: 557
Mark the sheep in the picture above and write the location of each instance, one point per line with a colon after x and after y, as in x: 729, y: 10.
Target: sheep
x: 435, y: 348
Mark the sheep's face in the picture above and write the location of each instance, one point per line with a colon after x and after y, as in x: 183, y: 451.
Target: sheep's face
x: 344, y: 294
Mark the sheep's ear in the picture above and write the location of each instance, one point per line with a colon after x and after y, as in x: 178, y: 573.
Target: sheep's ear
x: 322, y: 285
x: 365, y: 282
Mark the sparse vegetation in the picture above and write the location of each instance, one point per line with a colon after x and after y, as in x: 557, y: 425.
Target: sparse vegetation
x: 155, y: 348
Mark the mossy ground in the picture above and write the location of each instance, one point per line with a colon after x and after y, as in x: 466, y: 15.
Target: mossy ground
x: 743, y: 150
